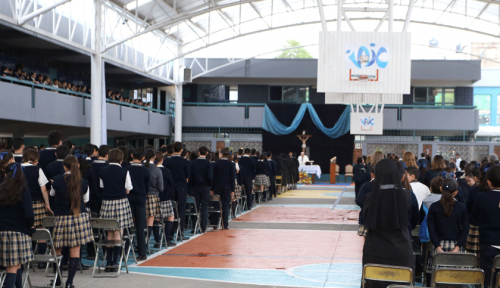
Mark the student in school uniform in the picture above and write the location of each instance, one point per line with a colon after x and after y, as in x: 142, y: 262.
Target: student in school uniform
x: 126, y: 157
x: 487, y: 213
x: 273, y: 170
x: 448, y: 221
x: 359, y: 171
x: 262, y: 179
x: 18, y: 147
x: 420, y: 190
x: 248, y: 165
x: 223, y: 185
x: 437, y: 167
x: 166, y: 208
x: 88, y: 149
x: 201, y: 180
x: 364, y: 190
x: 16, y: 220
x: 479, y: 182
x: 56, y: 168
x: 179, y: 167
x: 36, y: 181
x: 237, y: 186
x: 97, y: 165
x: 153, y: 195
x: 95, y: 155
x: 72, y: 224
x: 48, y: 155
x: 116, y: 184
x: 139, y: 175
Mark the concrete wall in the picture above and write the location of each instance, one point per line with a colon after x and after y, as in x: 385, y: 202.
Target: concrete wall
x: 203, y: 116
x: 60, y: 109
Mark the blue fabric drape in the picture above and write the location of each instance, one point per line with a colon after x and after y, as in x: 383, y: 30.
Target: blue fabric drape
x: 272, y: 125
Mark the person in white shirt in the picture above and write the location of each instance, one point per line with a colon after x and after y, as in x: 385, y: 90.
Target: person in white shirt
x: 420, y: 190
x: 458, y: 159
x: 303, y: 159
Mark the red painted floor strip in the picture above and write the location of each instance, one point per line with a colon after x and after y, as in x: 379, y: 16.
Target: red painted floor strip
x: 273, y: 214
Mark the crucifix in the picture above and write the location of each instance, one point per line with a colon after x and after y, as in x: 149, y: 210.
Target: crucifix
x: 304, y: 138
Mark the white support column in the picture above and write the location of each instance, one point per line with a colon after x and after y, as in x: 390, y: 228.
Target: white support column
x: 340, y: 3
x: 178, y: 95
x: 391, y: 15
x: 96, y: 68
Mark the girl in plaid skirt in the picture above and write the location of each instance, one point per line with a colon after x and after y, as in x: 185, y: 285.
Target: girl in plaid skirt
x: 72, y: 224
x: 167, y: 210
x: 153, y: 195
x: 448, y: 221
x: 116, y: 184
x: 261, y: 178
x: 473, y: 179
x: 16, y: 220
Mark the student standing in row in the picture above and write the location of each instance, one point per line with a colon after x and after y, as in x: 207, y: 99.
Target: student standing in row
x: 72, y: 224
x: 48, y: 155
x: 153, y: 195
x: 179, y: 167
x: 224, y: 176
x: 248, y: 165
x: 116, y: 184
x: 201, y: 181
x: 18, y: 147
x: 166, y: 208
x: 139, y: 175
x: 97, y: 165
x: 16, y: 221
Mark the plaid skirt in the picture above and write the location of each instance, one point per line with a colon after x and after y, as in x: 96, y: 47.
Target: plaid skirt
x: 119, y: 210
x: 153, y: 206
x: 39, y: 211
x: 237, y: 191
x: 473, y: 240
x: 72, y: 230
x: 166, y: 208
x: 362, y: 231
x: 447, y: 246
x: 15, y: 248
x: 262, y: 179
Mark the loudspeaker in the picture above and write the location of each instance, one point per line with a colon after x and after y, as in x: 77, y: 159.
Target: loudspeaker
x: 185, y: 75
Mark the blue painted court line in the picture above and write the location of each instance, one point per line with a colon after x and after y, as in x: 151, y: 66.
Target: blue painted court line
x: 346, y: 194
x: 315, y: 275
x: 245, y: 256
x: 348, y: 207
x: 338, y: 199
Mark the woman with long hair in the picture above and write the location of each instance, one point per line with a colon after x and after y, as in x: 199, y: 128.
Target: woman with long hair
x: 409, y: 159
x: 385, y: 212
x: 437, y: 166
x: 16, y: 220
x: 72, y: 224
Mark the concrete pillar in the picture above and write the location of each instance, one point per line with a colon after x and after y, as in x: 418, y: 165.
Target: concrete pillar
x: 98, y: 133
x: 178, y: 95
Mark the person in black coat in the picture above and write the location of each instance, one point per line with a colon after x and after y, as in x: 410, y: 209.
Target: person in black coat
x: 272, y: 172
x: 223, y: 185
x: 359, y: 171
x: 48, y: 155
x: 97, y: 165
x: 248, y: 165
x: 437, y: 167
x: 201, y: 182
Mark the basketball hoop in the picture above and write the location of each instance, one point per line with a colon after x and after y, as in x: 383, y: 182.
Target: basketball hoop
x: 363, y: 77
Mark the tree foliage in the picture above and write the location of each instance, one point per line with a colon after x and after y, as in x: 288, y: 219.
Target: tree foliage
x: 295, y: 53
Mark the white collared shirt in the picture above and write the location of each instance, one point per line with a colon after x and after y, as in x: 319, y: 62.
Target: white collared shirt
x: 128, y: 181
x: 86, y: 196
x: 42, y: 179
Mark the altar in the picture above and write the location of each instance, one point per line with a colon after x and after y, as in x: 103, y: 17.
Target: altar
x: 311, y: 169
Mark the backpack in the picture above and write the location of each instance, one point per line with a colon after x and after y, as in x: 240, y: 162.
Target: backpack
x: 423, y: 233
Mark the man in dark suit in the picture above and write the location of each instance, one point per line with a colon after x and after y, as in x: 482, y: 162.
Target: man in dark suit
x: 248, y: 165
x: 224, y: 175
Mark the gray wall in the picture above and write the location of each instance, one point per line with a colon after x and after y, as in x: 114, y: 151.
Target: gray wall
x: 60, y: 109
x: 193, y: 116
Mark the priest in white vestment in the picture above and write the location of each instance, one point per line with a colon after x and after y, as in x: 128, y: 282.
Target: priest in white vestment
x: 303, y: 159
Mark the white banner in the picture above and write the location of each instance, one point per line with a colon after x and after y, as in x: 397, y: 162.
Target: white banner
x: 363, y: 123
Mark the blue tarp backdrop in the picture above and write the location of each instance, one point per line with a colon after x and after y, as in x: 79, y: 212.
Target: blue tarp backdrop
x: 271, y: 124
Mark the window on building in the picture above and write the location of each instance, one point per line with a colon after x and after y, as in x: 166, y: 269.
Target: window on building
x: 294, y: 94
x: 233, y: 93
x: 483, y: 104
x: 275, y: 93
x: 434, y: 96
x: 213, y: 93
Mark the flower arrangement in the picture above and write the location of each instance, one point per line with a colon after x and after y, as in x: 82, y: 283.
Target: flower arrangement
x: 304, y: 178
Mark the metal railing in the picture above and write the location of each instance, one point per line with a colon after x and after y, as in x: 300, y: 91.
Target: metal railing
x: 84, y: 96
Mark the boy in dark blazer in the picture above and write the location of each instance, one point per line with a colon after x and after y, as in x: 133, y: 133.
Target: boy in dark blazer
x: 224, y: 175
x: 201, y: 181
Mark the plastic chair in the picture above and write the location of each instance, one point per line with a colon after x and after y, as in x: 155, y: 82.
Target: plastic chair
x: 190, y: 207
x: 387, y: 273
x: 458, y: 276
x: 50, y: 258
x: 178, y: 220
x: 494, y: 267
x: 214, y: 210
x: 243, y: 199
x: 348, y: 172
x: 278, y: 182
x: 3, y: 274
x: 456, y: 260
x: 108, y: 224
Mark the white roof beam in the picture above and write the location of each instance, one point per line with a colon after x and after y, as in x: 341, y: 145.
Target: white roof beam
x: 188, y: 14
x: 442, y: 12
x: 41, y: 11
x: 258, y: 13
x: 480, y: 13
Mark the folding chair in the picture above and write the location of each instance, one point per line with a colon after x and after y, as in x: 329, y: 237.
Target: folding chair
x: 192, y: 211
x: 243, y: 199
x: 214, y: 210
x: 177, y: 234
x: 3, y: 274
x: 130, y: 237
x: 454, y: 260
x: 50, y: 258
x: 279, y: 182
x: 108, y: 224
x: 387, y: 273
x: 494, y: 267
x: 160, y: 227
x: 456, y: 276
